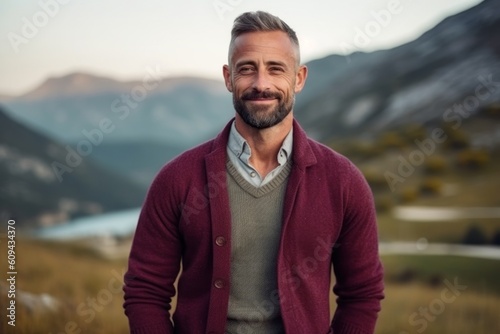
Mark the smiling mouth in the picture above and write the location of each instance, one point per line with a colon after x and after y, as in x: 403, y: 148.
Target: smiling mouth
x: 261, y: 100
x: 261, y: 97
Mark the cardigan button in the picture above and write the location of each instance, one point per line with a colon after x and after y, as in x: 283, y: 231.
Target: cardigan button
x: 219, y: 284
x: 220, y: 241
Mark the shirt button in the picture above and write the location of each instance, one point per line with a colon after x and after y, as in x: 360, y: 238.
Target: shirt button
x: 219, y: 284
x: 220, y: 241
x: 252, y: 174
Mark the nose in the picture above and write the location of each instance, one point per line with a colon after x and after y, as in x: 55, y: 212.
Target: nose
x: 261, y: 81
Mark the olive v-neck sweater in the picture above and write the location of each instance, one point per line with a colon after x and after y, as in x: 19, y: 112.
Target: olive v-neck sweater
x: 256, y: 214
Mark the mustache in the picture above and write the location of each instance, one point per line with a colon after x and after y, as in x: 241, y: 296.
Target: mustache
x: 252, y: 95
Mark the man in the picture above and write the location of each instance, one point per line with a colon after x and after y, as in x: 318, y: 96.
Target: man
x: 257, y: 216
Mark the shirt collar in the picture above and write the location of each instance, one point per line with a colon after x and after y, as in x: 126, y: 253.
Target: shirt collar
x: 239, y: 146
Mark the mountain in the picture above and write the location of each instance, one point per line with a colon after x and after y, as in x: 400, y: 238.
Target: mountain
x: 75, y: 84
x: 137, y: 160
x: 134, y: 127
x: 454, y: 65
x: 151, y: 120
x: 43, y: 183
x: 181, y: 111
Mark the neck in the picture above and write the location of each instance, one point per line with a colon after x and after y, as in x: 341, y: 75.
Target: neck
x: 264, y: 143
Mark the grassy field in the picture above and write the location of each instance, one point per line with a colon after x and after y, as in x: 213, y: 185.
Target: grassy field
x: 470, y: 190
x: 87, y: 287
x: 75, y: 276
x: 480, y: 275
x: 470, y: 312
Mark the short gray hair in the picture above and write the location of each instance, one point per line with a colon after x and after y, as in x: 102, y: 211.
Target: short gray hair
x: 261, y: 21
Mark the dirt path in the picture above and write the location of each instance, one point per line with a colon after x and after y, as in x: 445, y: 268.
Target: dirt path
x: 425, y: 213
x: 422, y: 248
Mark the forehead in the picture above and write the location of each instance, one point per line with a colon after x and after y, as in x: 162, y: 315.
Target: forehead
x: 264, y: 44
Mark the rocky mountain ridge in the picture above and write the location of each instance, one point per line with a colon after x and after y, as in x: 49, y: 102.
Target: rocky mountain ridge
x: 417, y: 82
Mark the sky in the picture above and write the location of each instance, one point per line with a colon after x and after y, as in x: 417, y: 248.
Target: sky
x: 124, y: 39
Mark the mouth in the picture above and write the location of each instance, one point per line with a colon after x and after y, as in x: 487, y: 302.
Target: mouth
x: 261, y: 100
x: 265, y: 97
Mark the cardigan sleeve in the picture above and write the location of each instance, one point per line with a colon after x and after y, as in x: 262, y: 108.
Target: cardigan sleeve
x: 358, y: 270
x: 154, y: 262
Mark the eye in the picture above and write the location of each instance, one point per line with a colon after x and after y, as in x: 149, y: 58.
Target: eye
x: 246, y: 70
x: 276, y: 69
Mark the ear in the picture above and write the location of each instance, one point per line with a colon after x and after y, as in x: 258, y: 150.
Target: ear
x: 226, y: 72
x: 300, y: 78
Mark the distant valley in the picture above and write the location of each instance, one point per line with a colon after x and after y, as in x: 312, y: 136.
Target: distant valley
x: 31, y: 191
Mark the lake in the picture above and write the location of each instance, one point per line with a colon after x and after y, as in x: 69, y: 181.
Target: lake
x: 123, y: 223
x: 120, y: 223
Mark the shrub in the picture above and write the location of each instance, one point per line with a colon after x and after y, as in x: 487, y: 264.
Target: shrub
x: 408, y: 194
x: 456, y: 139
x: 392, y: 140
x: 493, y: 110
x: 474, y: 236
x: 356, y: 148
x: 366, y: 149
x: 415, y: 132
x: 431, y: 186
x: 383, y: 203
x: 473, y: 159
x: 435, y: 280
x: 496, y: 239
x: 435, y: 164
x: 404, y: 276
x: 374, y: 178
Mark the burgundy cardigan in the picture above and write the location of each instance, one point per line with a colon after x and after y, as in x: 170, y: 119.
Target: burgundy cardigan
x: 328, y: 218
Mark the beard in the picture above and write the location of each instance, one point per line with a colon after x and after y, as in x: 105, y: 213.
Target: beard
x: 262, y: 116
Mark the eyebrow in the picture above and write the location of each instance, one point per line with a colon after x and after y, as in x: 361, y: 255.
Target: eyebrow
x: 253, y: 63
x: 276, y: 63
x: 245, y: 62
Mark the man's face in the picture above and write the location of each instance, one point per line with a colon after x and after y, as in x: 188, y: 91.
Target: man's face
x: 264, y: 76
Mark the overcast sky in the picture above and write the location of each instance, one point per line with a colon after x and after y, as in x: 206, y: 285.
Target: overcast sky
x: 122, y: 38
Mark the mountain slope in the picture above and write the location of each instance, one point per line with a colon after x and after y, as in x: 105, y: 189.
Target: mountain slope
x: 176, y: 111
x: 414, y: 83
x: 137, y: 160
x: 33, y: 193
